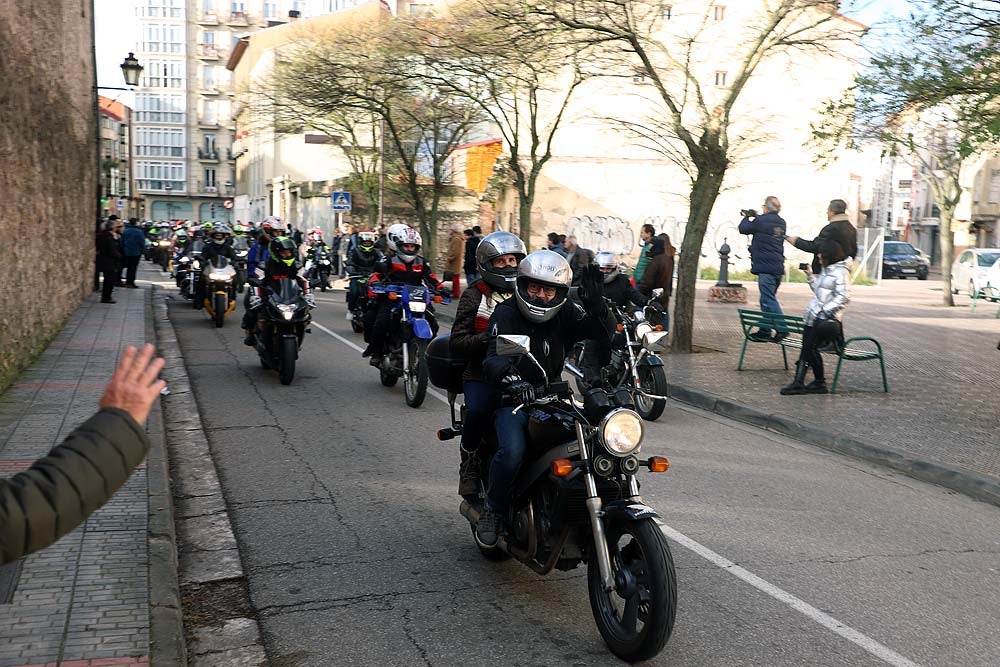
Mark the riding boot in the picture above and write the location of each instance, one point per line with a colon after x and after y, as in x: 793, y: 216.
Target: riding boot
x: 818, y: 385
x: 797, y: 386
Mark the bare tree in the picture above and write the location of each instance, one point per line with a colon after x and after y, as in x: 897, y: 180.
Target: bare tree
x: 670, y: 46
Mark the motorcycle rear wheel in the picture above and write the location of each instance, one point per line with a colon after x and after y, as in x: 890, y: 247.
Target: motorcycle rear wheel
x: 646, y: 590
x: 652, y: 379
x: 357, y: 324
x: 415, y: 377
x: 219, y: 305
x: 289, y: 350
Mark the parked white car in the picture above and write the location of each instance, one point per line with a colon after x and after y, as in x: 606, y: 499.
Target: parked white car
x: 993, y: 280
x: 968, y: 273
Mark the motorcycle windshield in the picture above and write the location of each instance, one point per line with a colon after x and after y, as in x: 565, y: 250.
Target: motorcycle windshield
x: 219, y: 262
x: 197, y: 247
x: 287, y: 291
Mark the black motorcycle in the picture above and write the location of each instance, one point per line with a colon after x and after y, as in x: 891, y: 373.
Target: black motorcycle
x: 160, y: 250
x: 357, y: 286
x: 319, y: 266
x: 635, y: 361
x: 241, y: 250
x: 189, y: 268
x: 283, y: 323
x: 576, y: 500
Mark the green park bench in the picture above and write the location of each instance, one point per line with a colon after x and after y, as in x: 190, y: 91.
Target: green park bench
x: 988, y: 292
x: 793, y: 326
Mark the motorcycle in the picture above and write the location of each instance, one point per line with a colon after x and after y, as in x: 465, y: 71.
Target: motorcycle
x: 240, y: 265
x: 220, y: 291
x: 282, y: 325
x: 188, y: 272
x: 318, y: 268
x: 635, y: 361
x: 576, y: 500
x: 358, y: 284
x: 160, y: 252
x: 408, y: 340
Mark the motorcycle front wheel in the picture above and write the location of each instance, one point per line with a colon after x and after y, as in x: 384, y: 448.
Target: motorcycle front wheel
x: 289, y: 350
x: 636, y: 618
x: 415, y: 377
x: 653, y: 380
x: 219, y: 304
x: 323, y: 281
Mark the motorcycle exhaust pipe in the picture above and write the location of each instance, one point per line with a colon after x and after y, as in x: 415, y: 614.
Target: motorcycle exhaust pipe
x: 653, y: 396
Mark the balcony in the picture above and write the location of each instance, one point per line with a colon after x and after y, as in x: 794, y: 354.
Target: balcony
x: 209, y: 52
x: 230, y: 155
x: 208, y: 87
x: 207, y: 190
x: 208, y: 122
x: 206, y: 155
x: 207, y: 18
x: 238, y: 18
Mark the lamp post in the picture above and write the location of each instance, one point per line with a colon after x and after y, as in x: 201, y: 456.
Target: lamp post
x: 131, y: 69
x: 170, y: 203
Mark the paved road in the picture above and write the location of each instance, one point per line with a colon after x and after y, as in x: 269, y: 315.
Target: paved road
x: 345, y: 510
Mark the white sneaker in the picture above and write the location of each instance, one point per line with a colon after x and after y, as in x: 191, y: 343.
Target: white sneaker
x: 349, y: 316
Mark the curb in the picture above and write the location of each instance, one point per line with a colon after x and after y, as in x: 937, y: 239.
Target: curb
x: 166, y: 622
x: 974, y: 485
x: 210, y: 569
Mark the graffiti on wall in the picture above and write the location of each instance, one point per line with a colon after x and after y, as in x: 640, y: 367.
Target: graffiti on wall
x: 718, y: 232
x: 602, y: 232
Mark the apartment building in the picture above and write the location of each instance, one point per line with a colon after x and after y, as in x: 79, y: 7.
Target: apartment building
x: 117, y: 188
x: 184, y: 162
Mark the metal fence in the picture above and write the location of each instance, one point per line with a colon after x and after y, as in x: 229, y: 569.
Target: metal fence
x: 868, y: 263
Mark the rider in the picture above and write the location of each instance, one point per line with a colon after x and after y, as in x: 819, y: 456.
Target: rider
x: 538, y: 310
x: 218, y: 246
x: 405, y: 267
x: 281, y: 263
x: 361, y: 262
x: 497, y: 257
x: 257, y: 258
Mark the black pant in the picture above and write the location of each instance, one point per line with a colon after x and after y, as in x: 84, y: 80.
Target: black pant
x: 381, y: 320
x: 811, y: 342
x: 131, y: 266
x: 110, y: 276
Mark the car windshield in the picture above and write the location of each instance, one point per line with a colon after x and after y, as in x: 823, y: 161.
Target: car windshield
x: 899, y: 249
x: 987, y: 258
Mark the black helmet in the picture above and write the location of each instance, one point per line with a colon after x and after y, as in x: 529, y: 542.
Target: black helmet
x: 546, y: 268
x: 491, y: 247
x: 277, y: 247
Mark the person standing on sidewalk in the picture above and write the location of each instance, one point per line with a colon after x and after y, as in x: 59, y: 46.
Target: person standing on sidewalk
x: 58, y: 492
x: 109, y: 257
x: 456, y: 255
x: 767, y: 259
x: 645, y: 235
x: 469, y: 265
x: 660, y: 273
x: 838, y: 228
x: 578, y: 258
x: 133, y: 245
x: 822, y: 317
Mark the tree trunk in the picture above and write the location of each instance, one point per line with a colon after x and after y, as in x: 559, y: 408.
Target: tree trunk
x: 524, y: 221
x: 946, y: 239
x: 704, y: 192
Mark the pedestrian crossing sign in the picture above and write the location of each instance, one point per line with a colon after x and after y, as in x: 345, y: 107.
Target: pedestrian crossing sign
x: 340, y: 201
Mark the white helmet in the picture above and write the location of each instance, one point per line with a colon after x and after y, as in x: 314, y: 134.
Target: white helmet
x: 393, y: 233
x: 405, y: 236
x: 547, y: 268
x: 606, y: 260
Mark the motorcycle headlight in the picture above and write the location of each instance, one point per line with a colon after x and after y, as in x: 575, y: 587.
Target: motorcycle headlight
x: 214, y: 275
x: 418, y: 307
x: 185, y: 260
x: 621, y: 432
x: 241, y: 253
x: 196, y: 264
x: 642, y: 329
x: 164, y: 244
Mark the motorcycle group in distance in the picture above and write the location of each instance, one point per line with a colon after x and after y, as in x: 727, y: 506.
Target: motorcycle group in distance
x: 548, y: 475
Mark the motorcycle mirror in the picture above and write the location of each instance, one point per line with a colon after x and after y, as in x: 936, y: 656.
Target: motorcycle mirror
x: 658, y: 292
x: 509, y: 345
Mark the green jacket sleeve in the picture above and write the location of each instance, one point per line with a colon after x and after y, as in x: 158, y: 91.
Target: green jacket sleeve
x: 640, y: 266
x: 58, y: 492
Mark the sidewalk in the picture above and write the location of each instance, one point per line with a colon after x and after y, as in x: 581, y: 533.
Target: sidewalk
x: 85, y: 601
x: 939, y: 420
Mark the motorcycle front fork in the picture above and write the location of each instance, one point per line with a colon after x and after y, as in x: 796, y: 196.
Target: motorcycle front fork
x: 596, y: 516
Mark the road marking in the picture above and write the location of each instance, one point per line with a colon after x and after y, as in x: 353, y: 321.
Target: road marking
x: 857, y: 638
x: 430, y: 390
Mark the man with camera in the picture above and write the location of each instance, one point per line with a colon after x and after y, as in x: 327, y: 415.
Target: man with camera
x: 767, y: 259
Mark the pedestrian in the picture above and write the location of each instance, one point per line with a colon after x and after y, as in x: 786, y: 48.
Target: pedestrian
x: 767, y: 260
x: 58, y: 492
x: 455, y: 260
x: 659, y: 273
x: 578, y: 258
x: 335, y: 250
x: 645, y: 236
x: 838, y: 228
x: 469, y: 264
x: 555, y: 245
x: 347, y: 243
x: 109, y: 257
x: 822, y: 317
x: 133, y: 245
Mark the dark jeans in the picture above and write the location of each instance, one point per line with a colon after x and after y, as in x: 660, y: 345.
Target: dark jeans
x: 479, y: 406
x: 811, y: 342
x: 769, y: 285
x: 511, y: 444
x: 110, y: 276
x: 131, y: 266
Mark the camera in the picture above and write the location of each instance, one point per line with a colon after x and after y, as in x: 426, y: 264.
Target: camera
x: 748, y: 213
x: 803, y: 267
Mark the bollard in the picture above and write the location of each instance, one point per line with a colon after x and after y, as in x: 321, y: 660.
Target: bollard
x: 724, y: 291
x: 724, y: 266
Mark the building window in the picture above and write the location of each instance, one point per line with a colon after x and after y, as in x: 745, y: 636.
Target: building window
x: 155, y: 175
x: 164, y: 74
x: 209, y: 143
x: 668, y: 12
x: 720, y: 78
x: 718, y: 12
x: 159, y: 108
x: 210, y: 178
x: 159, y: 142
x: 163, y: 38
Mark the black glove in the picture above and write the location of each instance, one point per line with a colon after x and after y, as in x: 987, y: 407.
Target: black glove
x: 517, y: 389
x: 445, y: 291
x: 591, y: 291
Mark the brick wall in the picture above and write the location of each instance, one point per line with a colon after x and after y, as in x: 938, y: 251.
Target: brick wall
x: 47, y: 173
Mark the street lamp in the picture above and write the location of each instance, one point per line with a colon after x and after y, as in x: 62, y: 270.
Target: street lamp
x: 170, y: 204
x: 131, y: 69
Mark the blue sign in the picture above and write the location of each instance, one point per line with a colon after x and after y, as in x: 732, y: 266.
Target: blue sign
x: 340, y: 201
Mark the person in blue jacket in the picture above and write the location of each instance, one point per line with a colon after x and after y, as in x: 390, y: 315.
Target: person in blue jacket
x: 133, y: 245
x: 767, y: 259
x: 257, y: 258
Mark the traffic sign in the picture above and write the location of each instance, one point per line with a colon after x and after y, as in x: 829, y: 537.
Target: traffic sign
x: 228, y: 203
x: 340, y: 201
x: 121, y: 204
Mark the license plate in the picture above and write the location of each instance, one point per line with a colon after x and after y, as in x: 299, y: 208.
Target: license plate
x: 909, y: 270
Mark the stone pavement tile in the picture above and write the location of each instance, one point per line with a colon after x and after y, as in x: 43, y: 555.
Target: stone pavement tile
x: 84, y: 600
x: 942, y: 363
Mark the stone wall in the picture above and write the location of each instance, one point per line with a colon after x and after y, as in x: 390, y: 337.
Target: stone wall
x: 48, y: 173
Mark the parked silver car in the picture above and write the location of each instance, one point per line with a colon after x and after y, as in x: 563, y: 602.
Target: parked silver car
x: 968, y: 273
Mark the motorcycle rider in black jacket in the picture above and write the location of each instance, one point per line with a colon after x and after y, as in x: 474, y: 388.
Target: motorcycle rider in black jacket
x: 218, y: 246
x: 539, y: 310
x: 361, y: 262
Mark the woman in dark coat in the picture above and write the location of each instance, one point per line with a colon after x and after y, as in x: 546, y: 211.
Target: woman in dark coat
x: 109, y: 257
x: 659, y: 273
